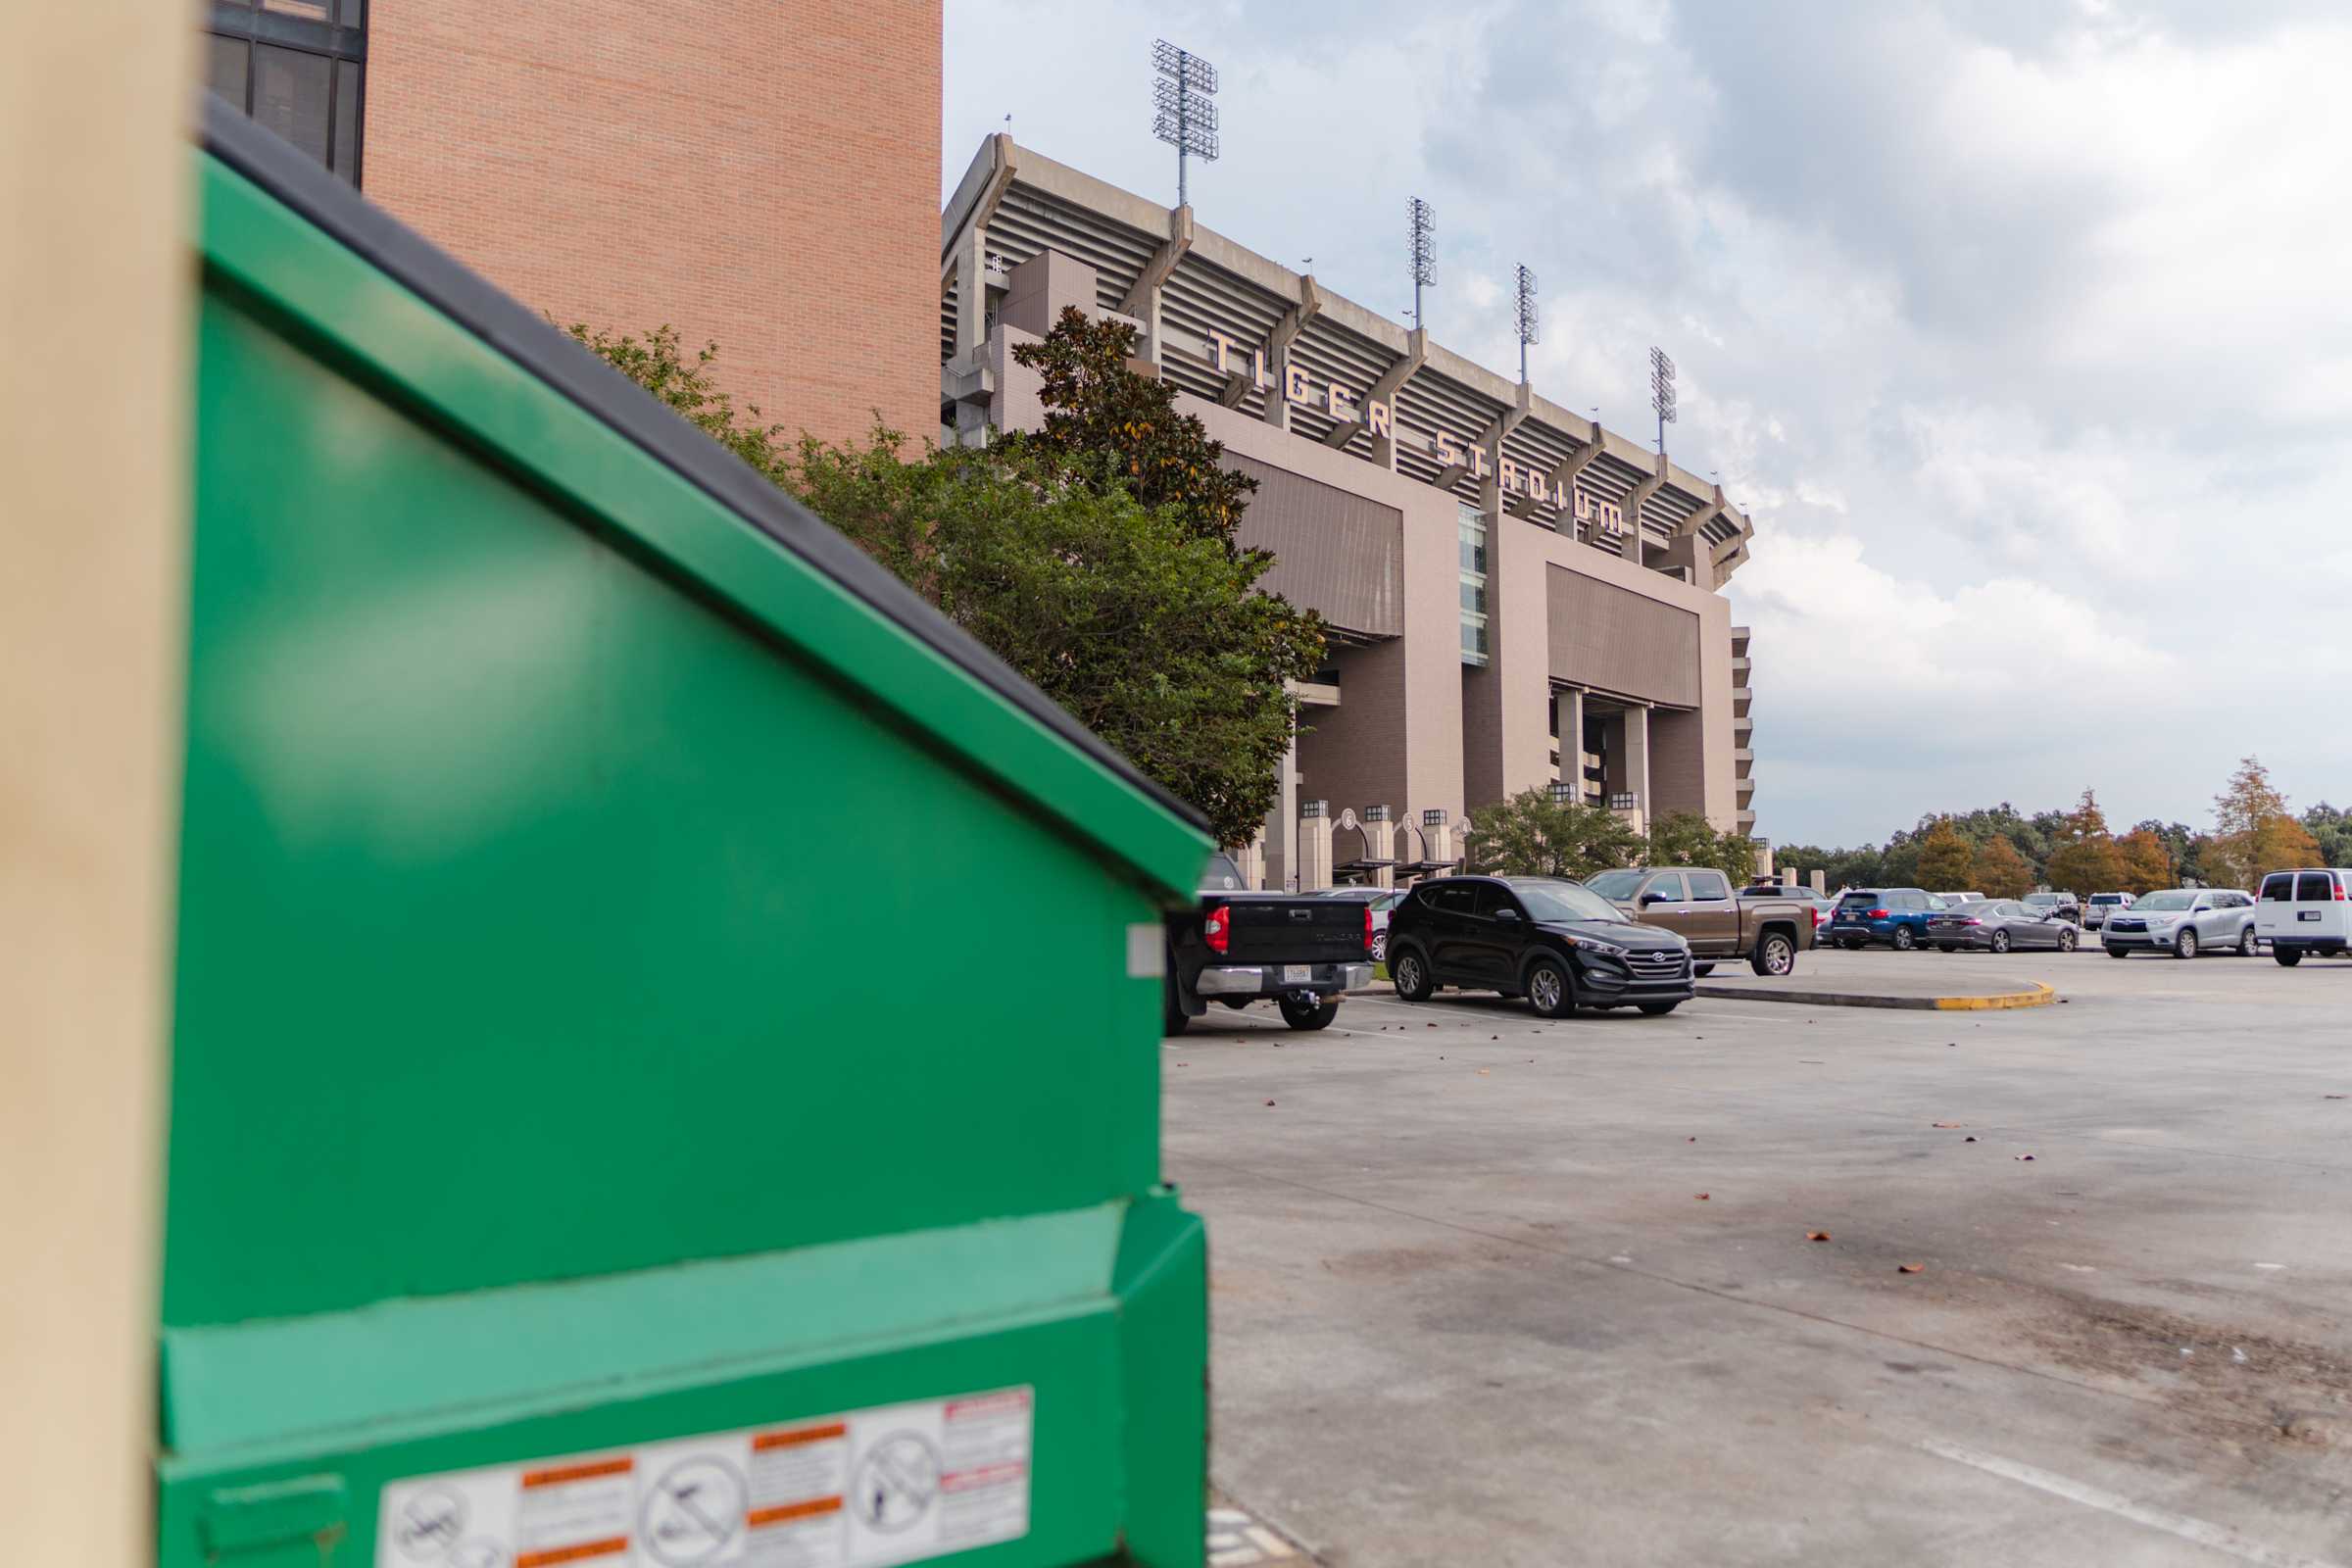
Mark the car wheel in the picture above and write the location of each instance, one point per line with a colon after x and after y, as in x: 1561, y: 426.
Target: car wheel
x: 1775, y: 955
x: 2288, y: 957
x: 2184, y: 945
x: 1903, y: 939
x: 2118, y: 952
x: 2067, y: 940
x: 1549, y: 990
x: 1410, y: 975
x: 1702, y: 969
x: 1172, y: 1020
x: 1237, y: 1003
x: 1380, y: 947
x: 1657, y: 1009
x: 1946, y: 947
x: 1311, y: 1014
x: 2245, y: 942
x: 2001, y: 941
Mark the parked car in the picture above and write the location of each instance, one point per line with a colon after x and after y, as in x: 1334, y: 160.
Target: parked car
x: 1301, y: 952
x: 1996, y: 925
x: 2065, y: 906
x: 2185, y: 921
x: 2305, y: 912
x: 2101, y: 906
x: 1896, y: 917
x: 1697, y: 902
x: 1381, y: 901
x: 1961, y: 898
x: 1554, y: 942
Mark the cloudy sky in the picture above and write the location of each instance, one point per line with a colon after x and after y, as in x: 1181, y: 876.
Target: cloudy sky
x: 2022, y: 327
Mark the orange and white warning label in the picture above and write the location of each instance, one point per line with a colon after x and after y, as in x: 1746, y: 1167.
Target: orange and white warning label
x: 863, y: 1489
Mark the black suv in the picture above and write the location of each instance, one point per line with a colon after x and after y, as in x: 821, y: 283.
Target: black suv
x: 1554, y: 942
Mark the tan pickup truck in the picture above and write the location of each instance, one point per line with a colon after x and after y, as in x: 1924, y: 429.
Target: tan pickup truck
x: 1704, y: 906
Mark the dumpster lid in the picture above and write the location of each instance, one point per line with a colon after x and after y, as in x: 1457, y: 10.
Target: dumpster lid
x: 551, y: 355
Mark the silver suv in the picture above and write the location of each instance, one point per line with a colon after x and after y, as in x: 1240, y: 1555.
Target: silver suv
x: 2185, y: 921
x: 2103, y: 905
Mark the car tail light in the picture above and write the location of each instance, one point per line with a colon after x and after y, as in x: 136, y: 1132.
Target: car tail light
x: 1971, y: 920
x: 1878, y: 914
x: 1217, y: 929
x: 1367, y: 928
x: 2337, y: 883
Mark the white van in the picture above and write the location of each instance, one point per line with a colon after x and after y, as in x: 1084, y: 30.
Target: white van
x: 2305, y: 912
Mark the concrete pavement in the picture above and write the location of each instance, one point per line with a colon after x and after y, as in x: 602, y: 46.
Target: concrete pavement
x: 1471, y: 1306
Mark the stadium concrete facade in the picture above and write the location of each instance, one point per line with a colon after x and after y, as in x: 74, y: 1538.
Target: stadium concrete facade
x: 1519, y: 598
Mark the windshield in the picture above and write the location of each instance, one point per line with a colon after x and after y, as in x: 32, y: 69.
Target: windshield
x: 2177, y: 899
x: 1859, y: 901
x: 2106, y: 897
x: 1564, y: 900
x: 1614, y: 884
x: 2040, y: 899
x: 1221, y: 875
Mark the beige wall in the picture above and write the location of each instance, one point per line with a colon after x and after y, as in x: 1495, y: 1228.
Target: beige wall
x: 95, y: 283
x: 762, y: 175
x: 1428, y: 700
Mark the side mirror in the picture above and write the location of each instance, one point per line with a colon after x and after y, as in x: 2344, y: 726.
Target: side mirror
x: 1648, y: 899
x: 1506, y: 917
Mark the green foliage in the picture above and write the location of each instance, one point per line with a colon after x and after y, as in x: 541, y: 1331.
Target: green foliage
x: 1531, y: 834
x: 2148, y: 860
x: 2253, y: 832
x: 656, y: 364
x: 1685, y: 838
x: 2085, y: 861
x: 2331, y: 831
x: 1111, y: 427
x: 1140, y: 616
x: 1154, y: 637
x: 1947, y: 859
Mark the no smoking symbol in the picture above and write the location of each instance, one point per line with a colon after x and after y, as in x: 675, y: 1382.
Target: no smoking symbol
x: 693, y: 1512
x: 430, y: 1523
x: 895, y: 1482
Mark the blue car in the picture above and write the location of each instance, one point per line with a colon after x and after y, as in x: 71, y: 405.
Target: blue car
x: 1894, y: 916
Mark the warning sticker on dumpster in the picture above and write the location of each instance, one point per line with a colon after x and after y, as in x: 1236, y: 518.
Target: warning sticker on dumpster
x: 861, y: 1489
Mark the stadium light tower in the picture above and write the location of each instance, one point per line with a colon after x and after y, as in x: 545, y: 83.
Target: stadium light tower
x: 1187, y: 119
x: 1529, y: 329
x: 1421, y: 231
x: 1661, y: 393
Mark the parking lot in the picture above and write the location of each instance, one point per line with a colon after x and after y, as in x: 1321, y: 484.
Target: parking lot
x: 1490, y: 1289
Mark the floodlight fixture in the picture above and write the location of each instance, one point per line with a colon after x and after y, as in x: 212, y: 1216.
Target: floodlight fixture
x: 1185, y: 118
x: 1661, y: 393
x: 1421, y: 235
x: 1524, y: 310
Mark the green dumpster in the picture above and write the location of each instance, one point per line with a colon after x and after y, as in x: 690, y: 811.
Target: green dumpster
x: 665, y: 1051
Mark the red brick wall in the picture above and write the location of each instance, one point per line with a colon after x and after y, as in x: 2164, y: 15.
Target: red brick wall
x: 763, y: 174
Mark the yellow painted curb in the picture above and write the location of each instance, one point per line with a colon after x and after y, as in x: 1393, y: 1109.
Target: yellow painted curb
x: 2041, y: 996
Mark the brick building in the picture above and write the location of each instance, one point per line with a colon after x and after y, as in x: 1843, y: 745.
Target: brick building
x: 1519, y: 598
x: 765, y: 176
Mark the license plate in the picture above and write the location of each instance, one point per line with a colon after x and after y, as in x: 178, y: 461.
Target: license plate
x: 1297, y: 974
x: 2307, y: 915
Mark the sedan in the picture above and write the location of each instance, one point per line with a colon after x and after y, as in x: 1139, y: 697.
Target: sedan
x: 2184, y: 921
x: 1996, y: 925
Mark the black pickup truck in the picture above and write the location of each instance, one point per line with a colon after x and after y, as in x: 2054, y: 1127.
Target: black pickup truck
x: 1237, y: 947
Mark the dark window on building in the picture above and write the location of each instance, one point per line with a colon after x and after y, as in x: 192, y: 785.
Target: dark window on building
x: 299, y: 67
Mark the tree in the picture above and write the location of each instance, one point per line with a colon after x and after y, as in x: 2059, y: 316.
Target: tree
x: 1107, y: 425
x: 1147, y: 626
x: 2331, y: 831
x: 1531, y: 834
x: 1685, y: 838
x: 657, y: 365
x: 2002, y: 872
x: 2085, y: 861
x: 2253, y: 834
x: 1946, y: 859
x: 2147, y: 862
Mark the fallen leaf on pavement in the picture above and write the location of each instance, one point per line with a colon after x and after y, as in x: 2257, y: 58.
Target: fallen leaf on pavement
x: 2022, y: 1157
x: 1482, y: 1072
x: 1970, y: 1138
x: 1947, y: 1124
x: 1702, y: 1197
x: 1817, y: 1236
x: 1908, y: 1268
x: 1270, y: 1102
x: 2332, y: 1097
